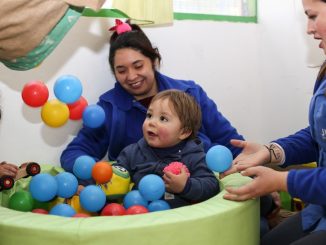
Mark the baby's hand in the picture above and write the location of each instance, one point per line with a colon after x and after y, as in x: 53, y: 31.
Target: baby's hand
x: 175, y: 183
x: 8, y: 169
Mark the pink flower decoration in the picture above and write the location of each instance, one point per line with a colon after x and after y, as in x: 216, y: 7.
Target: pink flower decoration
x: 120, y: 27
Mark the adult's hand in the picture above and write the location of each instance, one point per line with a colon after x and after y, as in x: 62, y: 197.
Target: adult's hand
x: 8, y: 169
x: 265, y: 181
x: 253, y: 154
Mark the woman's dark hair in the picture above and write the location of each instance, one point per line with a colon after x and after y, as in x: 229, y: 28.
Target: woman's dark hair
x: 135, y: 39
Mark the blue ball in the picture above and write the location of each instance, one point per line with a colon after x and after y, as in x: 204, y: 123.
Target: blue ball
x: 67, y: 184
x: 93, y: 116
x: 68, y: 89
x: 43, y: 187
x: 92, y: 198
x: 158, y: 205
x: 134, y: 198
x: 219, y: 158
x: 63, y: 209
x: 83, y: 167
x: 151, y: 187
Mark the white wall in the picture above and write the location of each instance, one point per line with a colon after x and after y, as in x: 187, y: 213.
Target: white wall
x: 257, y: 73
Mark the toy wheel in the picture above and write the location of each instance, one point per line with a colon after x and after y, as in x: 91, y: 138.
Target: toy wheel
x: 33, y: 168
x: 6, y: 182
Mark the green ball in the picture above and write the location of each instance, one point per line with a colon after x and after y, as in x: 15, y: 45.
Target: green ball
x: 21, y: 201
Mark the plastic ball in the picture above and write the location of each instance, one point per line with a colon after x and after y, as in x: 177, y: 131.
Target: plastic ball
x: 175, y: 168
x: 81, y: 215
x: 62, y: 209
x: 102, y: 172
x: 74, y: 202
x: 68, y: 89
x: 35, y: 93
x: 83, y: 167
x: 151, y: 187
x: 92, y: 198
x: 21, y: 201
x: 134, y: 198
x: 55, y: 113
x: 77, y: 108
x: 43, y: 187
x: 67, y: 184
x: 113, y: 209
x: 136, y: 209
x: 219, y: 158
x: 158, y: 205
x: 40, y: 211
x: 93, y: 116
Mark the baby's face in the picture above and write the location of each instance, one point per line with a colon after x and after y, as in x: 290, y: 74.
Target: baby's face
x: 162, y: 126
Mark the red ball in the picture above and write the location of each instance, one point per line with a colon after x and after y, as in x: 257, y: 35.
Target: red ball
x: 113, y: 209
x: 35, y: 93
x: 136, y: 209
x: 40, y: 211
x: 175, y: 168
x: 76, y: 109
x: 81, y: 215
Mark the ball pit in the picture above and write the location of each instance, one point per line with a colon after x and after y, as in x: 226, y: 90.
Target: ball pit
x: 214, y: 220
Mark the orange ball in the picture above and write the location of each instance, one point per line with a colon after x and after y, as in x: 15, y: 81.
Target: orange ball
x: 102, y: 172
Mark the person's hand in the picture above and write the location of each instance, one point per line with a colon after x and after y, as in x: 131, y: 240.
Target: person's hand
x: 79, y: 189
x: 175, y: 183
x: 253, y: 154
x: 8, y: 169
x: 266, y: 180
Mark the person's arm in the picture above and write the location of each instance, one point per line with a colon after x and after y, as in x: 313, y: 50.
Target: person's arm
x: 93, y: 142
x: 202, y: 183
x: 216, y: 129
x: 308, y: 185
x: 299, y: 148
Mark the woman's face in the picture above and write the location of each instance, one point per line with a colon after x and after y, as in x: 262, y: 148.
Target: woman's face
x: 135, y: 73
x: 316, y: 13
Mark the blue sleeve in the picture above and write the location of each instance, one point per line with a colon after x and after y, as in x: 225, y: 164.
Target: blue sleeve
x: 89, y: 141
x: 202, y: 183
x: 308, y: 185
x: 216, y: 129
x: 299, y: 148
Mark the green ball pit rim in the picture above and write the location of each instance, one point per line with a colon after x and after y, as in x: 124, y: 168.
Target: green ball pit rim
x: 209, y: 222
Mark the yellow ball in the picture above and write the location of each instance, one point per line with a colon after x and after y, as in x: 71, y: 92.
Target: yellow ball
x: 55, y: 113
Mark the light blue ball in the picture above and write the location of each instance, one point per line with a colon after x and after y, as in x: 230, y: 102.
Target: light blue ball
x: 134, y: 198
x: 92, y: 198
x: 43, y: 187
x: 83, y: 167
x: 219, y: 158
x: 93, y: 116
x: 158, y: 205
x: 151, y: 187
x: 67, y: 184
x: 63, y: 209
x: 68, y: 89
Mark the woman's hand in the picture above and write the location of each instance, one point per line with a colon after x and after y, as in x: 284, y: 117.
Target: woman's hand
x: 8, y: 169
x: 253, y: 154
x: 265, y: 181
x: 175, y: 183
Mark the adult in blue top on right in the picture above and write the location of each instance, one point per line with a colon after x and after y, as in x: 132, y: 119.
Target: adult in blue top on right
x: 307, y: 145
